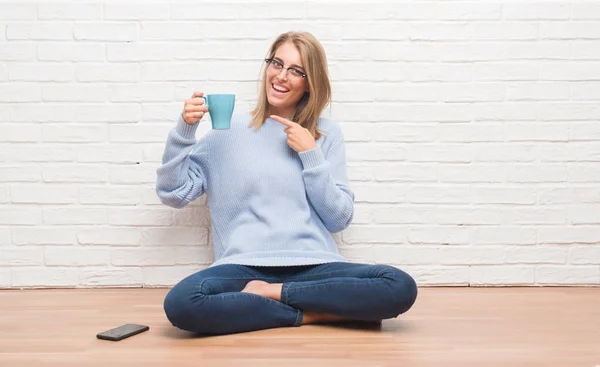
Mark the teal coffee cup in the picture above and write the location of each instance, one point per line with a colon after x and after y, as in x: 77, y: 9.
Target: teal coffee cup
x: 220, y: 108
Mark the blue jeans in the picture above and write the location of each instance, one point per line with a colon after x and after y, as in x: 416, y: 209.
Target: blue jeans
x: 210, y: 301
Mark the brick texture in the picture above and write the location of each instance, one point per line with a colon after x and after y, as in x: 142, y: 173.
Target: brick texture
x: 472, y: 134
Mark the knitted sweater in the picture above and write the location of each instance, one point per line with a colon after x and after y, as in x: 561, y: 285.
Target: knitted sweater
x: 269, y: 205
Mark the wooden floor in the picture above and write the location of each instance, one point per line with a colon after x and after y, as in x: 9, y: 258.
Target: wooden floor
x: 446, y: 327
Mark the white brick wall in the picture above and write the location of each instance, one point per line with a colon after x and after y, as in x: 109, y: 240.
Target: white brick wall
x: 472, y: 128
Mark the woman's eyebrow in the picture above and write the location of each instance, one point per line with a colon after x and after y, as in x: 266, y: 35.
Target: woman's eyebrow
x: 281, y: 61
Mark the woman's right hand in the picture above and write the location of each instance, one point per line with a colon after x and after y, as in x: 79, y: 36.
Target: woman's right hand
x: 194, y: 108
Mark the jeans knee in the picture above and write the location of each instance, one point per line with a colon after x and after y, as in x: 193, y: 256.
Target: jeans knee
x: 181, y: 309
x: 403, y: 290
x: 173, y: 307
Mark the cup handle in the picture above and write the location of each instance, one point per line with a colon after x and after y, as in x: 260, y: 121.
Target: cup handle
x: 205, y: 101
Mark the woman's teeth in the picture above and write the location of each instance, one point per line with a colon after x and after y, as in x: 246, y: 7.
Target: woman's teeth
x: 280, y: 89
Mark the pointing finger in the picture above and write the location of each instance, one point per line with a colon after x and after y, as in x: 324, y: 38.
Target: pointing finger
x: 286, y: 122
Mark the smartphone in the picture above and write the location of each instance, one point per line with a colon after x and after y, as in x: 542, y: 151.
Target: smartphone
x: 122, y: 332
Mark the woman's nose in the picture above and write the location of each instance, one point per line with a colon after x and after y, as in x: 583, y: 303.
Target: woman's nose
x: 284, y: 72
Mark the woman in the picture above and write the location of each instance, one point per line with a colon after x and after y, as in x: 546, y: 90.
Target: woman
x: 277, y: 188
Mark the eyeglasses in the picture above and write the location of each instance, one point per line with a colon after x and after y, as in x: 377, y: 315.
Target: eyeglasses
x: 277, y: 66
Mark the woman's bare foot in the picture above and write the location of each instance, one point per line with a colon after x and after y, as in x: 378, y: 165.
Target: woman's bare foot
x: 273, y: 291
x: 262, y: 288
x: 309, y: 317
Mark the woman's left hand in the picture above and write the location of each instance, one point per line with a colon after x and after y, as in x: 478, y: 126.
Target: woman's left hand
x: 299, y: 138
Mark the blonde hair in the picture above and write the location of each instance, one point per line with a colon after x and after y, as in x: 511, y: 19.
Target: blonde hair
x: 311, y: 104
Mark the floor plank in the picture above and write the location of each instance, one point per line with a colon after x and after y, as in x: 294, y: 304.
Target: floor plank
x: 445, y: 327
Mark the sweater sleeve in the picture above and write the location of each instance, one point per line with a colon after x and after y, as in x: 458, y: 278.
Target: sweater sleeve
x: 181, y: 177
x: 326, y: 183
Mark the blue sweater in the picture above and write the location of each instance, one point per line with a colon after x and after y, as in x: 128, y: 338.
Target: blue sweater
x: 269, y: 205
